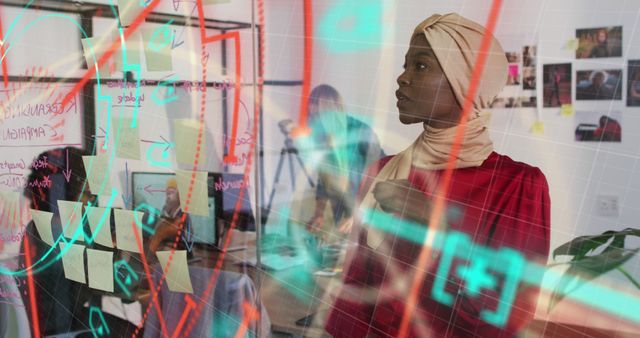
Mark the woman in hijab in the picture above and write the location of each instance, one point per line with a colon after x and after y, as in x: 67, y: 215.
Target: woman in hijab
x: 498, y: 203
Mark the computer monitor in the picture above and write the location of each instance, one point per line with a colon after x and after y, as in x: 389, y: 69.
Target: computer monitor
x: 223, y: 193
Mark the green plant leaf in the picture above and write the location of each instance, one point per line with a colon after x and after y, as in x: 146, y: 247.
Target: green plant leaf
x: 590, y: 267
x: 581, y: 246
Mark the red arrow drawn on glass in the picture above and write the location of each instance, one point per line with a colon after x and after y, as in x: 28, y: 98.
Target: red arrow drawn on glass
x: 67, y: 172
x: 151, y: 191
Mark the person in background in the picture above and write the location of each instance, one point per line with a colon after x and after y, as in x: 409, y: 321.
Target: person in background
x: 494, y: 201
x: 60, y: 301
x: 168, y: 225
x: 348, y: 146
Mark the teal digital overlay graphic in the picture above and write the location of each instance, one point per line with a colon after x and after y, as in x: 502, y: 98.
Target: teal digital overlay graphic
x: 124, y: 276
x: 97, y: 323
x: 510, y: 263
x: 151, y: 212
x: 352, y: 25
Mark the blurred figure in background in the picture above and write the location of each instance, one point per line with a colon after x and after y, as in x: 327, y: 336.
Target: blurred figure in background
x: 348, y: 146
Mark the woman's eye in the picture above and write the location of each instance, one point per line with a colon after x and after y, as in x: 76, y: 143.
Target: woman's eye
x: 421, y: 66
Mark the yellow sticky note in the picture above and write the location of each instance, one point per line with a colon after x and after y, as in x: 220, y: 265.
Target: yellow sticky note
x: 567, y: 110
x: 100, y: 223
x: 572, y: 44
x: 538, y: 127
x: 198, y: 204
x: 42, y: 220
x: 125, y: 226
x: 98, y: 173
x: 178, y: 279
x: 127, y: 138
x: 186, y: 137
x: 70, y: 217
x: 100, y: 266
x: 128, y: 10
x: 73, y: 262
x: 157, y: 47
x: 131, y: 48
x: 93, y: 49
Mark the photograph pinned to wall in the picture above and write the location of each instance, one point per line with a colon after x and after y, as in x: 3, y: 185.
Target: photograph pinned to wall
x: 515, y: 102
x: 529, y: 78
x: 513, y: 78
x: 600, y: 42
x: 529, y: 56
x: 600, y: 84
x: 528, y: 102
x: 598, y: 126
x: 557, y: 84
x: 529, y: 67
x: 633, y: 83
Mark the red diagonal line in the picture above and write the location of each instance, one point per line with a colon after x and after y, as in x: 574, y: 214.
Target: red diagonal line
x: 434, y: 222
x: 247, y: 170
x: 166, y: 269
x: 231, y: 157
x: 147, y: 271
x: 250, y: 314
x: 308, y: 56
x: 32, y: 289
x: 5, y: 68
x: 115, y: 46
x: 190, y: 306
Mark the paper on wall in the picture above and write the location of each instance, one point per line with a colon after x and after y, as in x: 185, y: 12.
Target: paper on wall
x: 178, y: 279
x: 125, y: 226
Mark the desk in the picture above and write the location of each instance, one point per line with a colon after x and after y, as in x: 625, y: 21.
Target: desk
x: 280, y: 292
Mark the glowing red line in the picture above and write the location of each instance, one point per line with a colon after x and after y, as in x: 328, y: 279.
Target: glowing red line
x: 443, y: 189
x: 250, y: 314
x: 308, y: 56
x: 32, y: 289
x: 190, y: 306
x: 115, y: 46
x: 5, y: 68
x: 247, y: 169
x: 154, y: 294
x: 231, y: 157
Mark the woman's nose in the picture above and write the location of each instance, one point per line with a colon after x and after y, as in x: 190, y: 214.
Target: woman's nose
x: 403, y: 80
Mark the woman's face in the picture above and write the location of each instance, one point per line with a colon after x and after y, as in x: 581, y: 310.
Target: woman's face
x: 425, y: 94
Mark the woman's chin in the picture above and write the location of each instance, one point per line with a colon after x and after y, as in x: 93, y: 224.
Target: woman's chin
x: 408, y: 119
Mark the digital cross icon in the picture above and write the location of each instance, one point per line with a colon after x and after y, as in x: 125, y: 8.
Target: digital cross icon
x: 476, y: 276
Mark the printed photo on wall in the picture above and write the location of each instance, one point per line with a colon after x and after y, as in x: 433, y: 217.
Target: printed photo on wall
x: 529, y: 78
x: 601, y: 42
x: 529, y: 56
x: 633, y: 84
x: 601, y: 84
x: 514, y: 58
x: 529, y: 67
x: 593, y: 126
x: 557, y: 84
x: 515, y: 102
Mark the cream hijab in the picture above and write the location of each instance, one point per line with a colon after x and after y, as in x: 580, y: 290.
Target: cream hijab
x: 456, y: 42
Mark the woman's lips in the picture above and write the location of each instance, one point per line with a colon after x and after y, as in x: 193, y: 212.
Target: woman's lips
x: 402, y: 99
